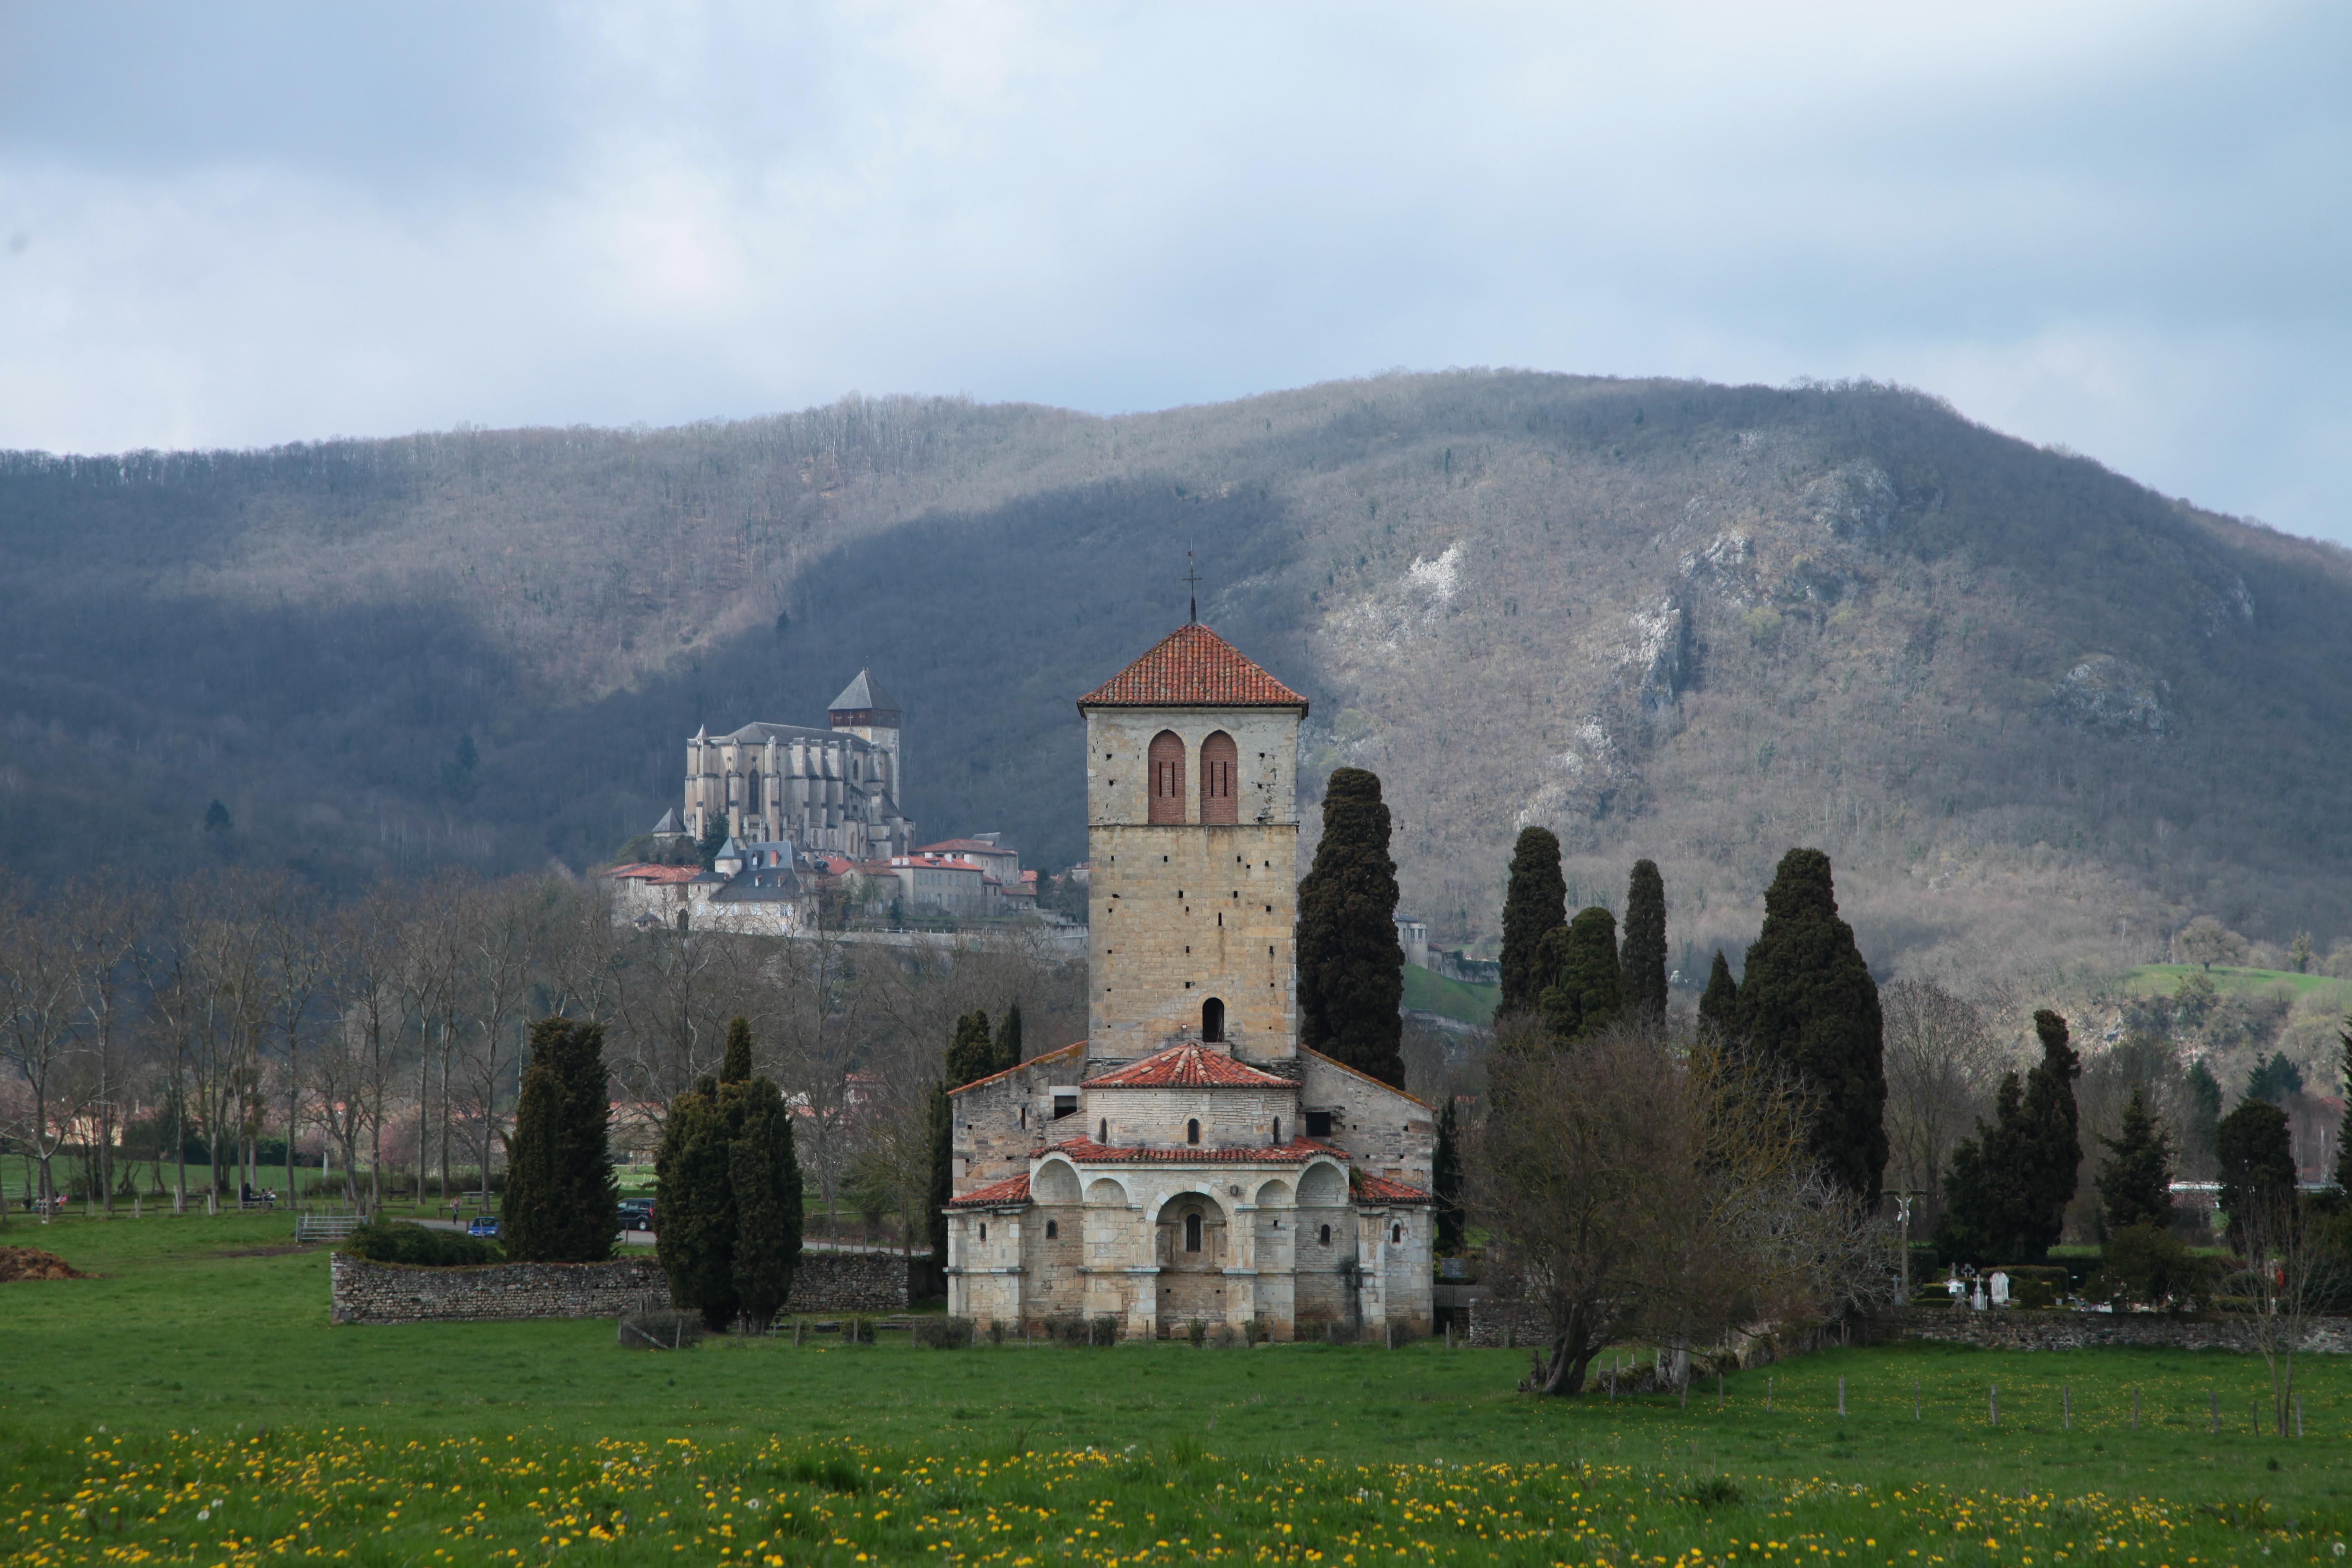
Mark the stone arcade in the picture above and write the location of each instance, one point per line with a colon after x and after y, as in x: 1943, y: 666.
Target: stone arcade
x: 1189, y: 1160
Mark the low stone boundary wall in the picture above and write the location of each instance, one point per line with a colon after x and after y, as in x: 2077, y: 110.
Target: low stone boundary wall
x: 367, y: 1292
x: 2019, y: 1329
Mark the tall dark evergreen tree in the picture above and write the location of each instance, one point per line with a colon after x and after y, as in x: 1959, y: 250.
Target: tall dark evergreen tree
x: 1586, y: 993
x: 561, y: 1198
x: 2203, y: 1117
x: 1978, y: 1223
x: 728, y: 1181
x: 1008, y: 1039
x: 2255, y: 1155
x: 696, y: 1187
x: 735, y: 1062
x: 2274, y: 1080
x: 942, y: 1130
x: 2344, y: 1146
x: 1718, y: 1005
x: 1446, y: 1182
x: 1535, y: 904
x: 971, y: 1055
x: 1808, y: 1000
x: 2050, y: 1152
x: 764, y: 1171
x: 1351, y: 969
x: 2135, y: 1182
x: 1644, y: 955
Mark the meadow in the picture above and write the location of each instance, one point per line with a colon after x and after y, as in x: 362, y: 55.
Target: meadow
x: 190, y: 1403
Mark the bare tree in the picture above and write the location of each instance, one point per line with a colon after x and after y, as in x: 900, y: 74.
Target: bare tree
x: 1645, y: 1181
x: 2292, y: 1273
x: 39, y: 1002
x: 102, y: 919
x: 1942, y: 1066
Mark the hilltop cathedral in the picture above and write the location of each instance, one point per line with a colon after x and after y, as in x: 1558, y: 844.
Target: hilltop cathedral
x: 1189, y: 1160
x: 833, y: 790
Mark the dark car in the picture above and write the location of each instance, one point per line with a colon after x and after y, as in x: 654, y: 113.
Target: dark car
x: 482, y: 1225
x: 636, y: 1214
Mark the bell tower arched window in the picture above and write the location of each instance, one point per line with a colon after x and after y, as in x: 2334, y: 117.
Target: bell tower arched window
x: 1192, y: 1233
x: 1213, y: 1021
x: 1192, y: 1131
x: 1220, y: 761
x: 1167, y: 769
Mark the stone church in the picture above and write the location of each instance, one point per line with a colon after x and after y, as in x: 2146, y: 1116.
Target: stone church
x: 1189, y: 1160
x: 835, y: 789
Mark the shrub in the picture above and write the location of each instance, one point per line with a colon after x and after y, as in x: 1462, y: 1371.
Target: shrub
x: 857, y: 1330
x: 1197, y: 1334
x: 944, y: 1333
x: 2147, y: 1263
x: 413, y: 1244
x: 1074, y: 1330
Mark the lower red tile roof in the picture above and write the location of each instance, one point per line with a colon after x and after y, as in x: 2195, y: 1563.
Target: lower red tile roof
x: 1298, y: 1152
x: 1011, y: 1190
x: 1371, y: 1189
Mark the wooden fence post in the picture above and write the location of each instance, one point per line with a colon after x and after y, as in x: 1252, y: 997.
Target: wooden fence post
x: 2066, y: 1407
x: 1993, y: 1403
x: 1840, y: 1398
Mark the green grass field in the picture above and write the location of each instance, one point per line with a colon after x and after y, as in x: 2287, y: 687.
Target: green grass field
x: 1427, y: 992
x: 192, y: 1403
x: 2164, y: 979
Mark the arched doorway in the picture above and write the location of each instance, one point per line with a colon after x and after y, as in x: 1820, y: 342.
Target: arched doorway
x: 1220, y: 764
x: 1213, y: 1021
x: 1167, y: 760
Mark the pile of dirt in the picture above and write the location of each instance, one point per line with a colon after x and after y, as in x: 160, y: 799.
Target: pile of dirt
x: 30, y: 1263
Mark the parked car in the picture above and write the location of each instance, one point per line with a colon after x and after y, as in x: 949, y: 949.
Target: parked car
x: 483, y: 1224
x: 636, y: 1214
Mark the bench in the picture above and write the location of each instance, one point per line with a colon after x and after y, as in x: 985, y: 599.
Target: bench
x: 325, y: 1227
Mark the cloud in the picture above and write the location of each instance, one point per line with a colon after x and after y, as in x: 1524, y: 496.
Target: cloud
x: 2121, y: 228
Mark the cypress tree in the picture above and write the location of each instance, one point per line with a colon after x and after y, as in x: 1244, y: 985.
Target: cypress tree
x: 560, y: 1196
x: 971, y: 1055
x: 1586, y: 992
x: 735, y: 1066
x: 2135, y: 1182
x: 1719, y: 1005
x: 1975, y: 1224
x: 1008, y: 1039
x: 763, y: 1170
x: 943, y: 1129
x: 1351, y: 969
x: 696, y: 1242
x: 1446, y: 1182
x: 1808, y: 1000
x: 2256, y: 1158
x: 1535, y: 904
x: 2343, y: 1155
x: 1643, y: 956
x: 2204, y: 1116
x: 2050, y: 1151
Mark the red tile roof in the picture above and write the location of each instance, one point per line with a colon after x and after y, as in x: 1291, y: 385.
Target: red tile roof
x: 1193, y: 667
x: 1037, y: 1060
x: 1298, y: 1152
x: 1188, y: 1066
x: 641, y: 871
x: 1371, y: 1189
x: 1011, y: 1190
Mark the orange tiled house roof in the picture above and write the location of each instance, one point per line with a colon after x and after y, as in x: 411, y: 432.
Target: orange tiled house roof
x: 1011, y: 1190
x: 1188, y: 1066
x: 1193, y: 667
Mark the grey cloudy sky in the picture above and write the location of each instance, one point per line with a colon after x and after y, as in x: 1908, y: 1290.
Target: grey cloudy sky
x: 2124, y: 227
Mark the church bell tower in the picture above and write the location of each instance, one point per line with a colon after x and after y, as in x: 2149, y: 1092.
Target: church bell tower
x: 1192, y: 832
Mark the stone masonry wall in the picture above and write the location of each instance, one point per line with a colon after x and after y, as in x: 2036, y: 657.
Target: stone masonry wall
x: 2018, y: 1329
x: 367, y: 1292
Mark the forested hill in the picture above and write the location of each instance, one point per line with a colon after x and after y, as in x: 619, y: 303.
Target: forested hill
x: 2031, y: 709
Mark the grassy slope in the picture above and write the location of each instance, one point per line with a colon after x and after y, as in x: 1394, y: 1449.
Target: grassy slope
x: 189, y: 1346
x: 1426, y: 992
x: 2163, y: 979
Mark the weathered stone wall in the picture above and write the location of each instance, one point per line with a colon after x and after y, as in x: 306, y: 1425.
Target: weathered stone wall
x: 2015, y: 1329
x: 999, y: 1120
x: 367, y: 1292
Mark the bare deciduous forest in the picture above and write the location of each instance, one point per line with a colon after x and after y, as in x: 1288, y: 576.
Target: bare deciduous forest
x: 2038, y: 715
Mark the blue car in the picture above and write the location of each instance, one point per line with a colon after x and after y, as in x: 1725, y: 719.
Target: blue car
x: 483, y: 1224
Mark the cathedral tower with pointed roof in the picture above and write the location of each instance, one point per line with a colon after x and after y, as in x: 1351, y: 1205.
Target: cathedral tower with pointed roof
x: 1192, y: 831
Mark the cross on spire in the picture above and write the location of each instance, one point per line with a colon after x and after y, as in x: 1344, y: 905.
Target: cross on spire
x: 1192, y: 581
